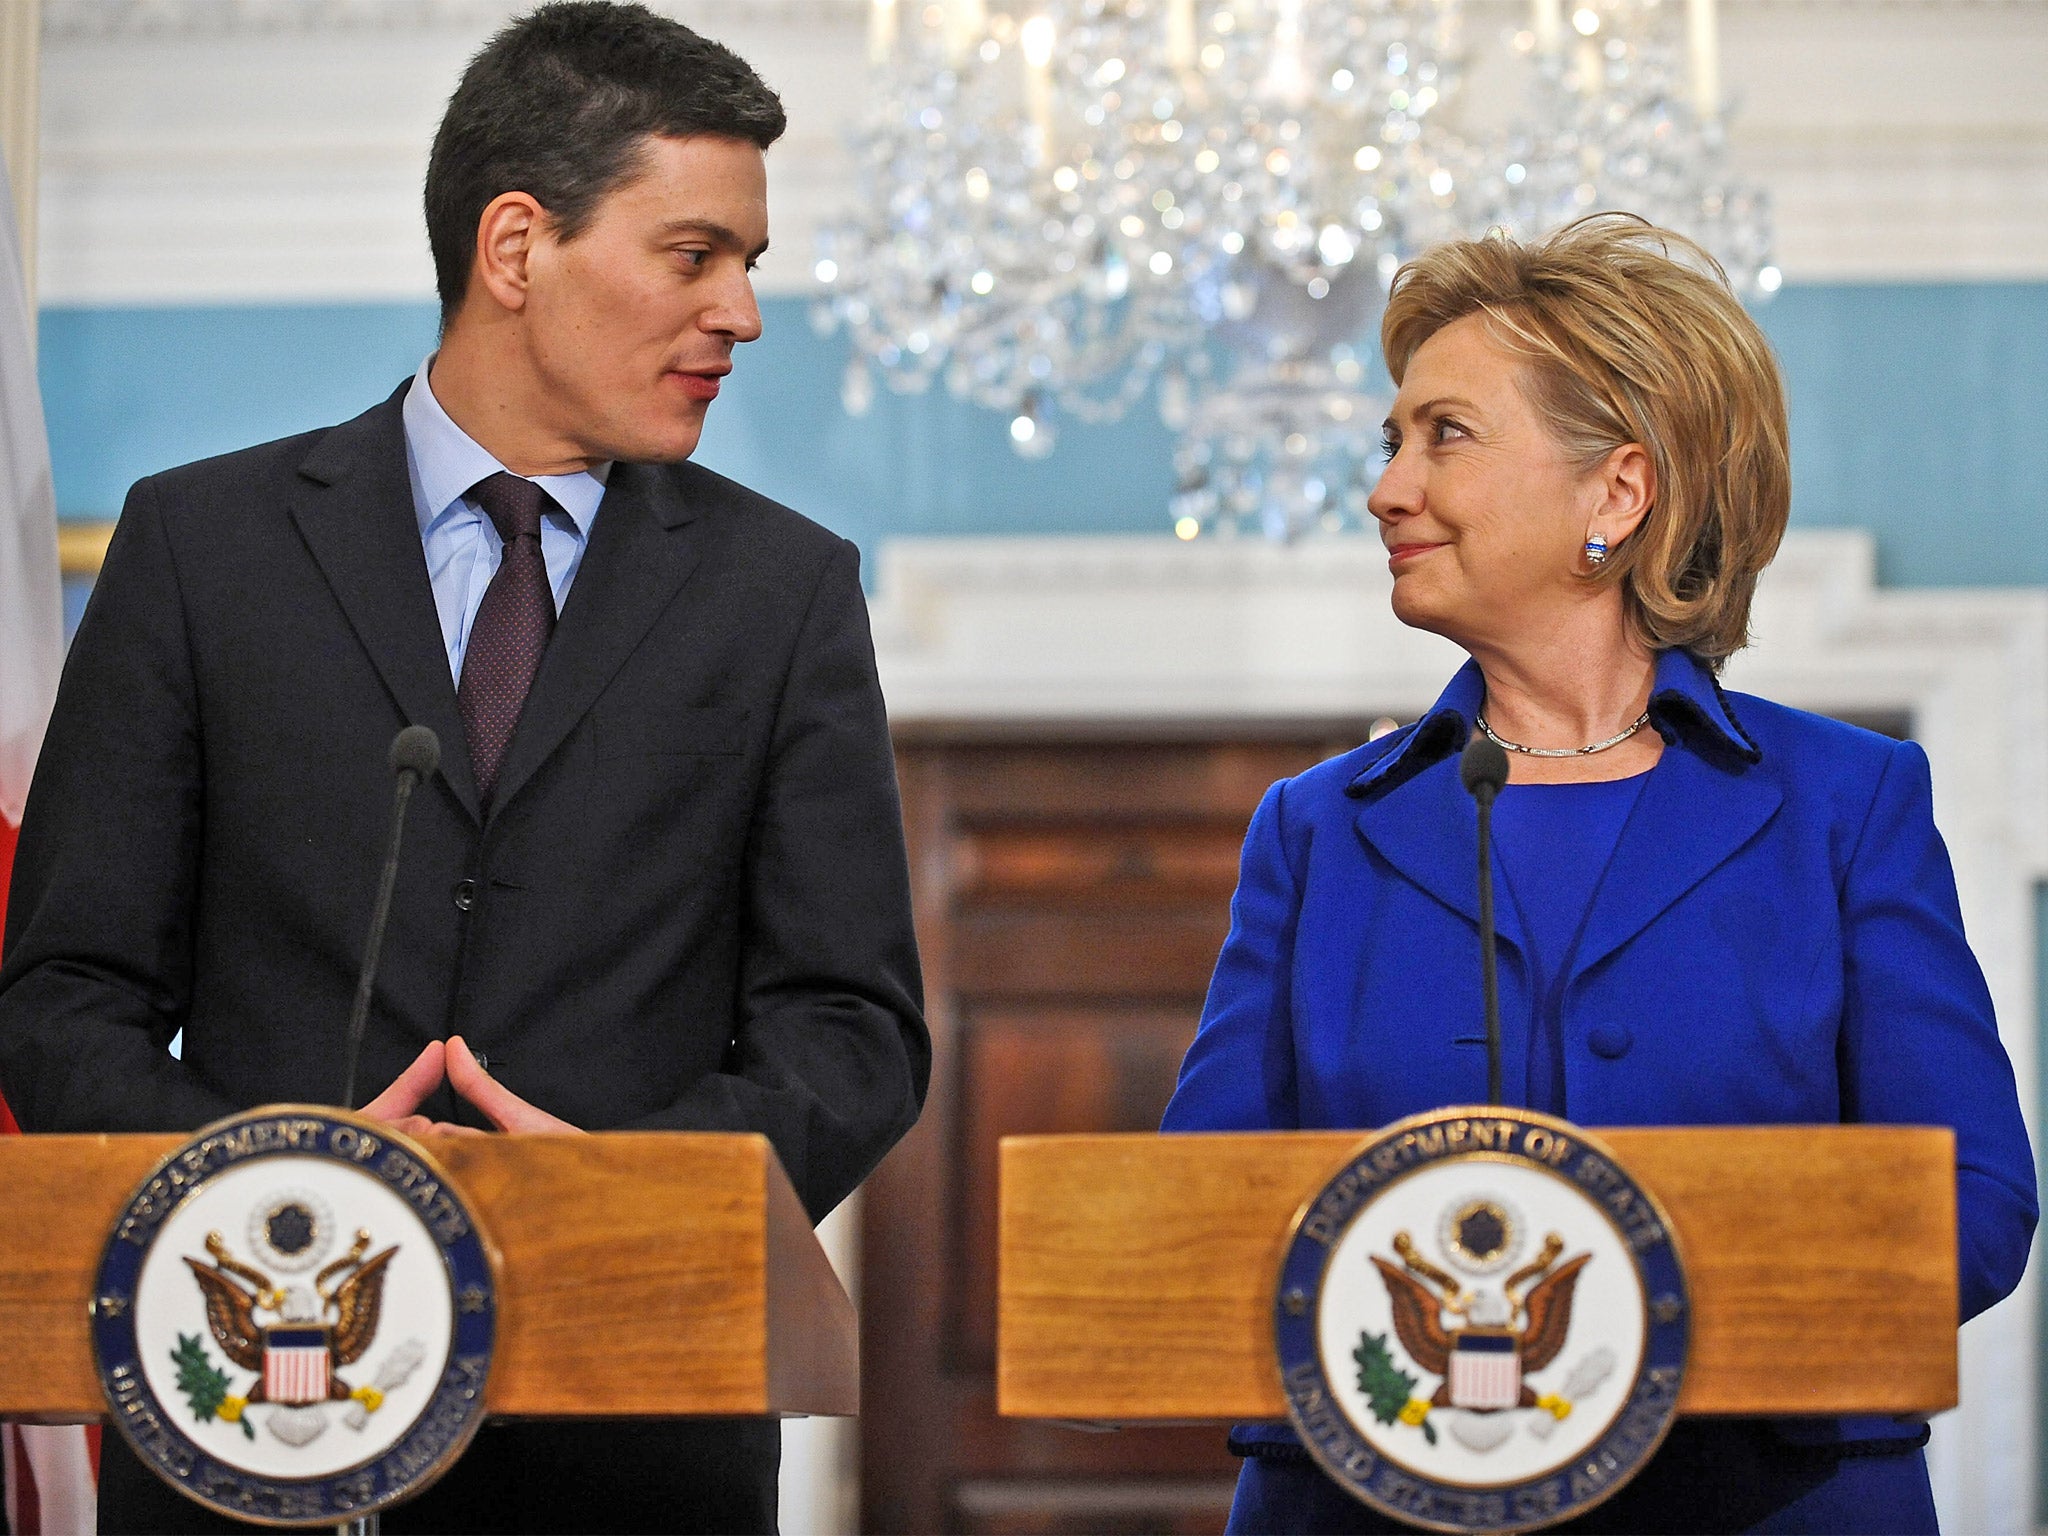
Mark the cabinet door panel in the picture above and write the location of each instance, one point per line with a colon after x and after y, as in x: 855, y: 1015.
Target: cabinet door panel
x: 1028, y: 1071
x: 1071, y: 897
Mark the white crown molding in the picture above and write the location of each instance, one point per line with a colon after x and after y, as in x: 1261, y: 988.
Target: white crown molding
x: 271, y: 150
x: 1127, y: 634
x: 70, y: 20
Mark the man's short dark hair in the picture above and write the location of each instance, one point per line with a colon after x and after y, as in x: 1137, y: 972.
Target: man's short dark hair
x: 557, y: 106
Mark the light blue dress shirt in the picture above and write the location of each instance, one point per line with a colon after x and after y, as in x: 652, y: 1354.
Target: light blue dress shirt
x: 462, y: 544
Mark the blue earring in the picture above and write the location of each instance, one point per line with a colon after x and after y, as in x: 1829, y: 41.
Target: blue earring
x: 1596, y: 550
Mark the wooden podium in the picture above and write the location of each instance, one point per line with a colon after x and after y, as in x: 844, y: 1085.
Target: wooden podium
x: 1137, y: 1273
x: 641, y: 1274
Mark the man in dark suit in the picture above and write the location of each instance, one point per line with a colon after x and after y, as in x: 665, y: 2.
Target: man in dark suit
x: 659, y: 881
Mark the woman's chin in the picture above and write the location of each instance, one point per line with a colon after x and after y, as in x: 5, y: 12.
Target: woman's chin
x: 1417, y: 607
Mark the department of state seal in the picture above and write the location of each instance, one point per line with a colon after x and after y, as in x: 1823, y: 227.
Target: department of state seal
x: 1482, y: 1322
x: 294, y: 1316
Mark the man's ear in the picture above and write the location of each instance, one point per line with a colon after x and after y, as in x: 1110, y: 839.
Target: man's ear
x: 1626, y: 489
x: 511, y: 225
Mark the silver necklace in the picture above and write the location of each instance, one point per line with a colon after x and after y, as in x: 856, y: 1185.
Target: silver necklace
x: 1598, y: 746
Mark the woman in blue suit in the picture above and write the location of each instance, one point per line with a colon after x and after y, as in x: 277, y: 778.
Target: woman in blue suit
x: 1716, y: 910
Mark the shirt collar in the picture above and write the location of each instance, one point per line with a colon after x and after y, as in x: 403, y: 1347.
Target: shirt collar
x: 1686, y: 702
x: 448, y: 461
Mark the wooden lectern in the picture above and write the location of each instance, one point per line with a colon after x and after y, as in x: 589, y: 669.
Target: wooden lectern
x: 642, y: 1274
x: 1137, y: 1273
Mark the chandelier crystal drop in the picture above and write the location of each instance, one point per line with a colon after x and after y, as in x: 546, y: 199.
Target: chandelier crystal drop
x: 1066, y: 206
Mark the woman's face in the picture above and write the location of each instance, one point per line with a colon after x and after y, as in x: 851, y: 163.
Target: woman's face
x: 1484, y: 519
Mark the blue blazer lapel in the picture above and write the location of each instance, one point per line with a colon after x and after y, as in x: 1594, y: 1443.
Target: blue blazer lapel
x: 1427, y: 827
x: 1692, y: 818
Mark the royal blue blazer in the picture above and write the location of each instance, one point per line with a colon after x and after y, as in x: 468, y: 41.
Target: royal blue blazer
x: 1776, y: 941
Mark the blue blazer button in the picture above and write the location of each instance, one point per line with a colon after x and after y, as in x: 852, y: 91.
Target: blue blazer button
x: 1610, y: 1040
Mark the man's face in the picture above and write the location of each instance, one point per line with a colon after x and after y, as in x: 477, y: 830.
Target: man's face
x: 631, y: 325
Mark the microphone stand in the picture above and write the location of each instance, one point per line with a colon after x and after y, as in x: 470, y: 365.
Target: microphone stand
x: 1489, y: 971
x: 415, y: 753
x: 1483, y: 769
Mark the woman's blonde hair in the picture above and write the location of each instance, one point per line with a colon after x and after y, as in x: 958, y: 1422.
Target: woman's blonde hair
x: 1632, y: 335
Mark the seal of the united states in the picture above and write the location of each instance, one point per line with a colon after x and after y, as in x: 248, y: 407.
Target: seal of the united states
x: 293, y: 1318
x: 1482, y: 1322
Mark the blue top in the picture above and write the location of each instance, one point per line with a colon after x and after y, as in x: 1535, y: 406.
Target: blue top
x: 461, y: 542
x: 1551, y: 846
x: 1777, y: 940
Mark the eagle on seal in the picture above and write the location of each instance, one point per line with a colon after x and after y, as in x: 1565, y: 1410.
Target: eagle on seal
x: 295, y: 1358
x: 1482, y: 1366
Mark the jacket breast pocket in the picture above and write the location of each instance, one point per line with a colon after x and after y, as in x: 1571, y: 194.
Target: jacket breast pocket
x: 713, y: 731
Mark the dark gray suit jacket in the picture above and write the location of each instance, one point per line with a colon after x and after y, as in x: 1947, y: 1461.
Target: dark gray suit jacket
x: 688, y: 908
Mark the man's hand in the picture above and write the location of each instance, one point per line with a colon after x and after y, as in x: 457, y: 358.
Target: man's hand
x: 500, y: 1105
x: 454, y: 1062
x: 396, y: 1105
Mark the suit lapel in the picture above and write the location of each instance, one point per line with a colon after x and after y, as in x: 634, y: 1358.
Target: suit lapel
x: 356, y: 514
x: 643, y: 546
x: 1692, y: 818
x: 1427, y: 827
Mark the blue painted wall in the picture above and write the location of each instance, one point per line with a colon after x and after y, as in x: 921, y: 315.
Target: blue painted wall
x: 1918, y: 411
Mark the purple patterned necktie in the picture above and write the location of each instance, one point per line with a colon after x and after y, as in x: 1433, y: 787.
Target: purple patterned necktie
x: 511, y: 628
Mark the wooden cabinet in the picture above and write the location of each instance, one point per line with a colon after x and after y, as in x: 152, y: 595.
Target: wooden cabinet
x: 1071, y: 898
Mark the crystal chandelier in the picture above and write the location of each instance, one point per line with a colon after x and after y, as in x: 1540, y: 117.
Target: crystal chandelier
x: 1626, y: 115
x: 1067, y: 206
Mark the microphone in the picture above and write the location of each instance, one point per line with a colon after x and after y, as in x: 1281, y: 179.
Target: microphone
x: 415, y: 754
x: 1483, y: 769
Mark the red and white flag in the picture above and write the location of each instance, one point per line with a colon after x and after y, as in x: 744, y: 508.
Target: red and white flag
x: 49, y: 1471
x: 31, y: 597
